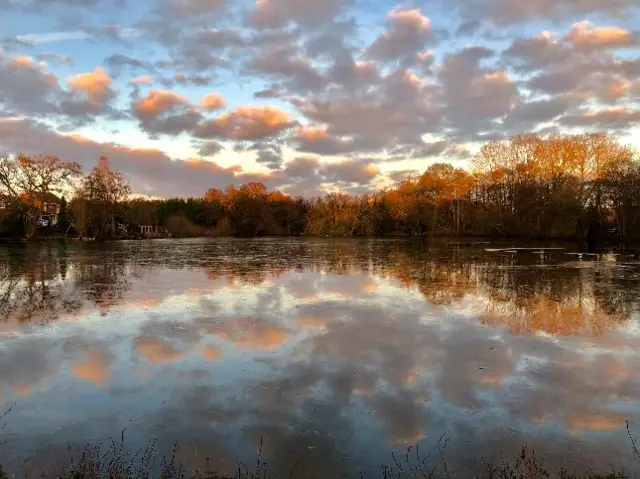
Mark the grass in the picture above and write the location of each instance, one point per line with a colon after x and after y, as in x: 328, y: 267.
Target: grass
x: 112, y: 460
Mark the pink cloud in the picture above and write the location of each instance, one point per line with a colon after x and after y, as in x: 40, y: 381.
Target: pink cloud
x: 96, y: 85
x: 247, y: 123
x: 142, y: 80
x: 158, y: 102
x: 213, y: 101
x: 277, y: 13
x: 585, y: 35
x: 407, y: 32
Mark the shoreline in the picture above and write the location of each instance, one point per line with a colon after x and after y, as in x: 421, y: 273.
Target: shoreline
x: 467, y: 240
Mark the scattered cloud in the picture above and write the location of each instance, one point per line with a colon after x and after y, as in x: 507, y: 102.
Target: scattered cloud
x: 165, y: 112
x: 585, y: 35
x: 96, y: 85
x: 348, y: 83
x: 246, y: 123
x: 360, y: 171
x: 272, y: 14
x: 142, y: 80
x: 516, y: 11
x: 407, y: 33
x: 213, y: 101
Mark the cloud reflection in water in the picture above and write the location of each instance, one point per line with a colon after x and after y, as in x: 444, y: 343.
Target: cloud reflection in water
x: 332, y: 352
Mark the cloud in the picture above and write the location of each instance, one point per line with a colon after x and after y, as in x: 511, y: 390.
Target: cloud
x: 271, y: 157
x: 96, y: 85
x: 444, y: 148
x: 317, y: 140
x: 537, y: 52
x: 246, y: 123
x: 150, y: 171
x: 27, y: 87
x: 194, y: 79
x: 399, y: 110
x: 517, y: 11
x: 585, y: 35
x: 296, y: 72
x: 356, y: 170
x: 474, y: 96
x: 525, y: 116
x: 158, y: 102
x: 49, y: 57
x: 267, y: 93
x: 166, y: 112
x: 302, y: 167
x: 51, y: 37
x: 191, y: 8
x: 117, y: 62
x: 213, y: 101
x: 586, y: 75
x: 277, y: 13
x: 604, y: 118
x: 142, y: 80
x: 347, y: 80
x: 210, y: 148
x: 407, y: 33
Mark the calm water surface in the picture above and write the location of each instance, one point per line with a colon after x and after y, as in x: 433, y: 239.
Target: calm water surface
x: 330, y: 353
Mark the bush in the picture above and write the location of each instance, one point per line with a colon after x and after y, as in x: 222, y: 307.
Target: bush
x: 181, y: 226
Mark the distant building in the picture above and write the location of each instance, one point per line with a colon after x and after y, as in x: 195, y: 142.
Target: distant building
x: 146, y: 231
x: 153, y: 232
x: 4, y: 203
x: 50, y: 210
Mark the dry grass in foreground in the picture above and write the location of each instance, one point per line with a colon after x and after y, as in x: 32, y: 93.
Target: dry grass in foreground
x: 113, y: 461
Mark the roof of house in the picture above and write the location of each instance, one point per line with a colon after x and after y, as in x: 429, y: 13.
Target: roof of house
x: 50, y: 198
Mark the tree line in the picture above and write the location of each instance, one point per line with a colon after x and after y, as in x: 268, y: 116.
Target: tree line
x: 561, y: 186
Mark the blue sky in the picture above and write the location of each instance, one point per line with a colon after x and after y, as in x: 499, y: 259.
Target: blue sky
x: 316, y: 96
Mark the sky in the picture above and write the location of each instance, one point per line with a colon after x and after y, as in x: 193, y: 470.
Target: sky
x: 307, y: 97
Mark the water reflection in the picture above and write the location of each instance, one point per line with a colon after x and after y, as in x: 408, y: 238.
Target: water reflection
x: 328, y: 353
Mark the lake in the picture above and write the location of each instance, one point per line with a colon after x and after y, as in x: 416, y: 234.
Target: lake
x: 324, y: 356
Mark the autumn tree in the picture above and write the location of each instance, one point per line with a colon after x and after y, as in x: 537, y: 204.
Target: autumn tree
x: 101, y: 200
x: 443, y: 188
x: 29, y: 181
x: 622, y: 185
x: 248, y: 209
x: 553, y: 186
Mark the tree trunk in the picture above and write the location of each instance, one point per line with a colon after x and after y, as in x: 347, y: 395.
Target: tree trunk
x: 435, y: 218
